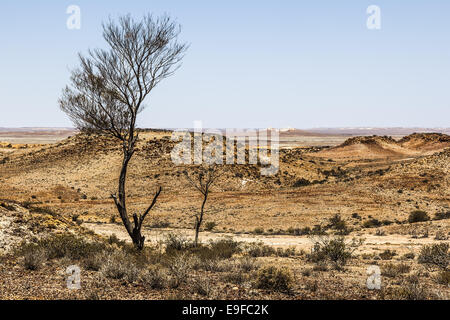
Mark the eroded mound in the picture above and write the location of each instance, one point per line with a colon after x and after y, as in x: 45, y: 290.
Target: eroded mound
x: 373, y: 147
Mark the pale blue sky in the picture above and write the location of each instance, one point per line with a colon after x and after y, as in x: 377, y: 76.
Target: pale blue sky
x: 251, y: 63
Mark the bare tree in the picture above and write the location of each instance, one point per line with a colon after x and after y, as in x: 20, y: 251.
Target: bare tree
x: 202, y: 179
x: 108, y: 90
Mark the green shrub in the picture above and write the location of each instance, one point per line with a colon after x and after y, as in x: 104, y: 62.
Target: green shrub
x: 418, y: 216
x: 273, y: 278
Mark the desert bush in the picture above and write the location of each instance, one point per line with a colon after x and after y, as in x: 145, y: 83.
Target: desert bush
x: 273, y: 278
x: 418, y: 216
x: 113, y: 239
x: 338, y: 224
x: 443, y: 277
x: 225, y: 248
x: 179, y: 268
x: 64, y: 246
x: 118, y: 265
x: 372, y: 223
x: 160, y: 224
x: 436, y: 255
x: 216, y: 250
x: 258, y: 231
x: 246, y: 264
x: 442, y: 215
x: 285, y: 253
x: 333, y: 250
x: 393, y: 270
x: 299, y: 232
x: 210, y: 225
x: 387, y: 254
x: 441, y: 236
x: 175, y: 243
x: 214, y: 265
x: 94, y: 262
x: 301, y: 183
x: 155, y: 278
x: 411, y: 289
x: 258, y: 249
x: 236, y: 277
x: 202, y: 286
x: 33, y: 259
x: 409, y: 256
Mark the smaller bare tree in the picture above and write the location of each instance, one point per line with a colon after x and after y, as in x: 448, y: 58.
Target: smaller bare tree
x: 202, y: 179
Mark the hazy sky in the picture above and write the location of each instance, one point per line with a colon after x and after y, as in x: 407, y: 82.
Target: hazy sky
x: 251, y: 63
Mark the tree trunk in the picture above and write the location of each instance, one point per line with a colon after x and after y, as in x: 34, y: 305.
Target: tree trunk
x: 133, y: 231
x: 200, y: 219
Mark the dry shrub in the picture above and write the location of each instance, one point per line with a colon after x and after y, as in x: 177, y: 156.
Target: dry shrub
x: 435, y: 255
x: 155, y: 278
x: 393, y: 270
x: 258, y: 249
x: 441, y: 236
x: 33, y: 259
x: 235, y: 277
x: 273, y: 278
x: 411, y: 289
x: 418, y: 216
x: 203, y: 286
x: 443, y: 277
x: 246, y: 264
x: 118, y: 265
x: 179, y: 268
x: 387, y: 254
x: 333, y: 250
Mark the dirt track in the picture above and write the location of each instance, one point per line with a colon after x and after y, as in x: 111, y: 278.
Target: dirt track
x: 372, y: 242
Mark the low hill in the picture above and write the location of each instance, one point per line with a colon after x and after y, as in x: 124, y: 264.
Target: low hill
x: 376, y: 147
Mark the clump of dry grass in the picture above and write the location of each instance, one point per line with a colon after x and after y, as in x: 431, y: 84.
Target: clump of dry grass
x: 394, y: 270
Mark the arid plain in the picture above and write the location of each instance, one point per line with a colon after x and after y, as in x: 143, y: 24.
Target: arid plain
x: 386, y: 197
